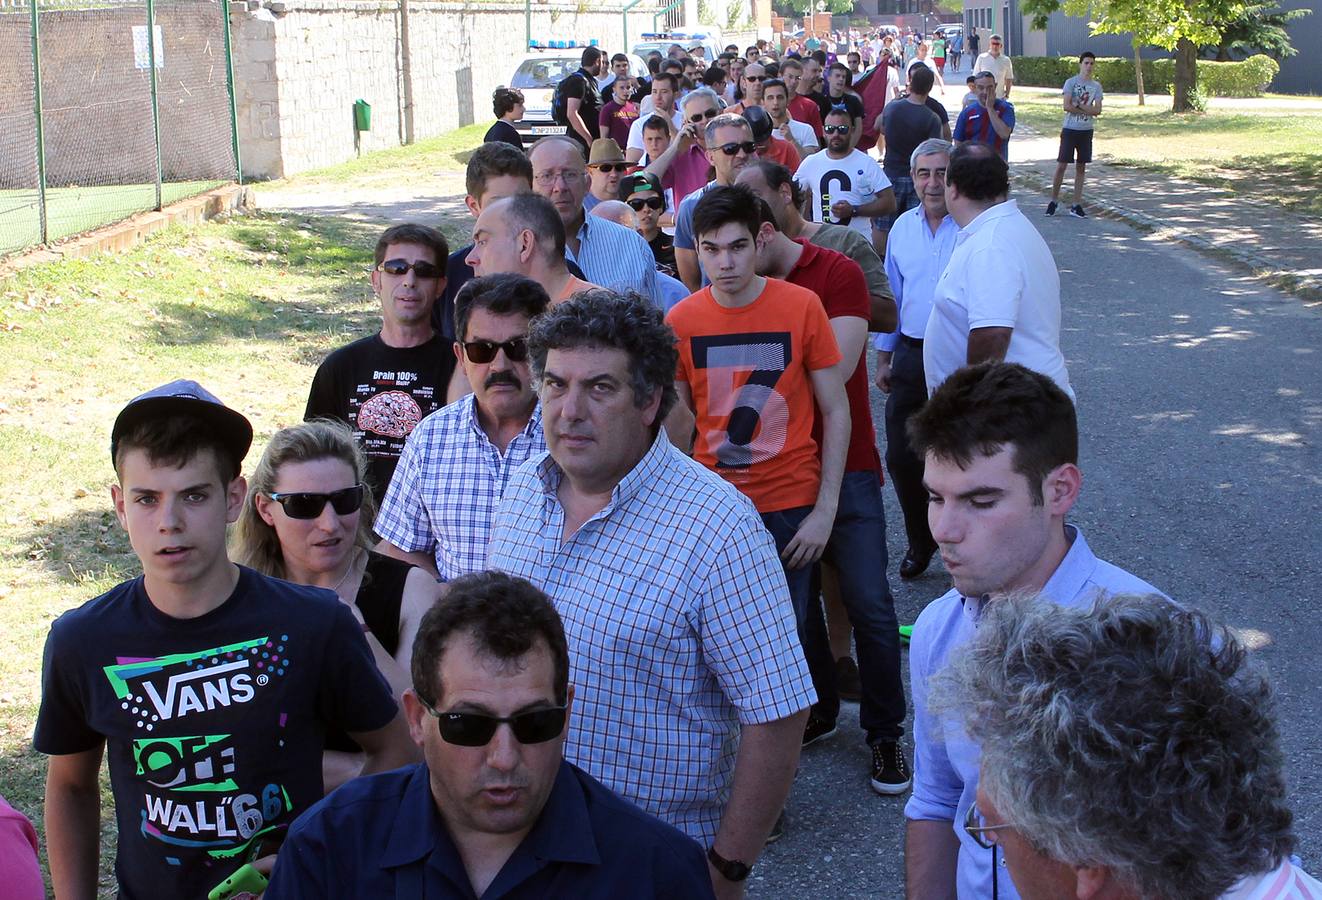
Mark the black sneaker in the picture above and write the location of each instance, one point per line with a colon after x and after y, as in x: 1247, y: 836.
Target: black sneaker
x: 817, y: 730
x: 890, y: 770
x: 1077, y: 212
x: 847, y: 683
x: 1051, y: 208
x: 777, y: 830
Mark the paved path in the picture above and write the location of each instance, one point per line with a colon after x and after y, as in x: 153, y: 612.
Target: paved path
x: 1279, y: 246
x: 1201, y: 419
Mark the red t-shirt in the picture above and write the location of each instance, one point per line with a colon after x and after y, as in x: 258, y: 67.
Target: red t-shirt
x: 782, y: 152
x: 839, y: 281
x: 805, y: 110
x: 748, y: 371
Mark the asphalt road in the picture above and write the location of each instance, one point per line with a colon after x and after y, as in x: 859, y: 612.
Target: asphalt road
x: 1200, y: 404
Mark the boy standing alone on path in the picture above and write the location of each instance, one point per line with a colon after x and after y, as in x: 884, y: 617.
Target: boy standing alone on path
x: 1082, y: 96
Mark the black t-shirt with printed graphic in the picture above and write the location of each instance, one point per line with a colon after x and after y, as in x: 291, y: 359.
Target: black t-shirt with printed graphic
x: 382, y: 392
x: 214, y: 726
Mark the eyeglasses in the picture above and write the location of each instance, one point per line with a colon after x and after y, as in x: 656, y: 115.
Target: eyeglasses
x: 548, y: 178
x: 698, y: 117
x: 835, y: 129
x: 608, y: 168
x: 303, y: 505
x: 516, y: 349
x: 754, y: 77
x: 734, y: 147
x: 639, y: 203
x: 421, y: 268
x: 476, y: 730
x: 978, y: 831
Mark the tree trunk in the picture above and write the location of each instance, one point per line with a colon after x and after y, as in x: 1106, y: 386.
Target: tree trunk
x: 1138, y: 72
x: 1186, y: 74
x: 1223, y: 52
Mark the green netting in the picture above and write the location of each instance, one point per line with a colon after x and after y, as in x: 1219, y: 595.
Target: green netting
x: 109, y: 152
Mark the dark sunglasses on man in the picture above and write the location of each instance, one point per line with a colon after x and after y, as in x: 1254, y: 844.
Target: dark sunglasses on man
x: 698, y: 117
x: 640, y: 203
x: 611, y: 167
x: 477, y: 730
x: 421, y: 268
x: 306, y: 505
x: 734, y: 147
x: 835, y: 129
x: 516, y: 350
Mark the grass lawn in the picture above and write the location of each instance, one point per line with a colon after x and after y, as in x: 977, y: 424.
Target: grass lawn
x: 1268, y: 149
x: 248, y: 307
x: 72, y: 210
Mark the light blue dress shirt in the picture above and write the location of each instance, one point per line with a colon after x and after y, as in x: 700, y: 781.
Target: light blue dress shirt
x: 615, y: 257
x: 946, y: 761
x: 915, y: 259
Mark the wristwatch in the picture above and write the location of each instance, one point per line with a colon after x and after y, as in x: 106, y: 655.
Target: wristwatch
x: 730, y: 869
x: 853, y: 210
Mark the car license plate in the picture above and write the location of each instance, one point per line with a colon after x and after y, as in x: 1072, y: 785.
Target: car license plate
x: 548, y: 129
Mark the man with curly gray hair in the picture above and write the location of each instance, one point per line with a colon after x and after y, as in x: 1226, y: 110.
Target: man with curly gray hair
x: 691, y: 689
x: 1129, y: 750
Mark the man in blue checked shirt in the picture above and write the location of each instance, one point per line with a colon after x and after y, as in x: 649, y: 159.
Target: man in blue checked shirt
x: 456, y: 463
x: 691, y: 689
x: 609, y: 255
x: 999, y: 520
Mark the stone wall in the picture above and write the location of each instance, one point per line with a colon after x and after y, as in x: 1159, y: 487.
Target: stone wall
x: 300, y: 65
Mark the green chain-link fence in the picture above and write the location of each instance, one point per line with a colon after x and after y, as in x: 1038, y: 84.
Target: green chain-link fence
x: 98, y: 123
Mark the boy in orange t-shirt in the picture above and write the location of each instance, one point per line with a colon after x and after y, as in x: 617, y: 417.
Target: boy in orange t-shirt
x: 754, y: 353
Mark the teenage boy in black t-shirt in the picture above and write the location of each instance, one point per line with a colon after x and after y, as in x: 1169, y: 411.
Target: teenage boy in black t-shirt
x: 210, y: 687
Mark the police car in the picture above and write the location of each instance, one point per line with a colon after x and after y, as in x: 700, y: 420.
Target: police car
x: 661, y: 42
x: 545, y: 65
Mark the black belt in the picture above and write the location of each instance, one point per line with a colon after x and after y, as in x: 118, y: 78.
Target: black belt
x: 916, y: 343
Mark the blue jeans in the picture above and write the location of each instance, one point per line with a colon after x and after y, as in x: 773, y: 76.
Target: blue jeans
x: 857, y: 551
x: 783, y: 524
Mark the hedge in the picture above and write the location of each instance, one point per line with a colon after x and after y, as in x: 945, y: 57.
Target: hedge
x: 1215, y: 79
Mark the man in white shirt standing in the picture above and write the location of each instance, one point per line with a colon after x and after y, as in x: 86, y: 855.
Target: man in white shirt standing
x: 998, y: 64
x: 844, y: 186
x: 999, y: 297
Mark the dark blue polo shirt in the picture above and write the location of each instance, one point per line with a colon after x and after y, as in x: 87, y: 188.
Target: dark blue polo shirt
x: 381, y: 836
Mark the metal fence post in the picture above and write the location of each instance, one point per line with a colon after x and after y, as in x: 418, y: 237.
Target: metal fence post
x: 36, y: 108
x: 155, y: 105
x: 229, y: 83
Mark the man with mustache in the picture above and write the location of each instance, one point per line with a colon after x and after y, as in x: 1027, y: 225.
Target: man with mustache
x: 452, y: 473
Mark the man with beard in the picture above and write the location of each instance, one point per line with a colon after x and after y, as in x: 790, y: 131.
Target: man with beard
x: 437, y: 513
x: 582, y: 99
x: 844, y: 186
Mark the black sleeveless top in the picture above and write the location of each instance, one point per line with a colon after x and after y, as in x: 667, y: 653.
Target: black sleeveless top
x: 380, y: 597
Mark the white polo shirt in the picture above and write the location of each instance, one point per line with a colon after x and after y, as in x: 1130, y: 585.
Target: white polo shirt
x: 1001, y: 275
x: 1000, y: 66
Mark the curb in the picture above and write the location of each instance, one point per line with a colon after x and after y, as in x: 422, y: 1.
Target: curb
x: 128, y: 232
x: 1305, y: 287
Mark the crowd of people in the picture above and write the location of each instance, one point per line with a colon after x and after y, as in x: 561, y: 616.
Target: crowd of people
x: 574, y: 555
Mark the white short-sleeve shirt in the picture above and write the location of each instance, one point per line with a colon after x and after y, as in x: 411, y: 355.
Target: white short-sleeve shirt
x: 1000, y: 275
x: 856, y: 178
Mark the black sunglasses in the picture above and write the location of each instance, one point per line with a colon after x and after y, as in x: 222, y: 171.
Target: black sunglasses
x: 754, y: 77
x: 835, y: 129
x: 516, y: 349
x: 611, y: 167
x: 734, y: 147
x: 641, y: 203
x: 476, y: 730
x: 421, y: 268
x: 308, y: 506
x: 698, y: 117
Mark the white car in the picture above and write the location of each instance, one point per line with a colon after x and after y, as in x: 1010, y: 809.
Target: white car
x: 662, y: 41
x: 537, y: 74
